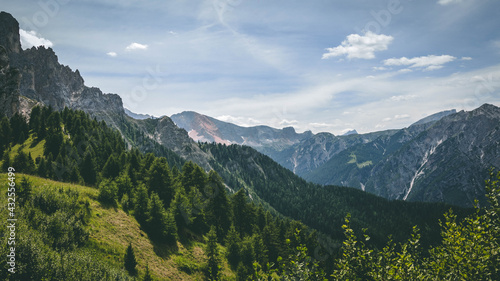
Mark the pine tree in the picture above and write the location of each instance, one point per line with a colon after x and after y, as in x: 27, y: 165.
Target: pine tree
x: 24, y: 190
x: 87, y: 169
x: 19, y: 128
x: 111, y: 169
x: 6, y: 163
x: 129, y: 260
x: 35, y: 116
x: 5, y: 133
x: 171, y: 229
x: 108, y: 192
x: 23, y: 163
x: 212, y: 250
x: 244, y: 214
x: 161, y: 224
x: 160, y: 180
x: 218, y: 208
x: 193, y: 176
x: 141, y: 204
x: 233, y: 247
x: 260, y: 250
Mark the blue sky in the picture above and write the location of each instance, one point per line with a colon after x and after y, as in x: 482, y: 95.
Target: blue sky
x: 319, y: 65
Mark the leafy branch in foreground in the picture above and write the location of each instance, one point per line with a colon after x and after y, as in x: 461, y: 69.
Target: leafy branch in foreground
x: 470, y: 249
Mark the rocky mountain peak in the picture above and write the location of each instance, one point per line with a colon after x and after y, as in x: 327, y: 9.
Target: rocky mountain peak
x: 488, y: 110
x: 40, y: 78
x: 435, y: 117
x: 350, y: 132
x: 9, y: 33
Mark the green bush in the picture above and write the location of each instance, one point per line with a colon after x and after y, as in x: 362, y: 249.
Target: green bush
x: 108, y: 193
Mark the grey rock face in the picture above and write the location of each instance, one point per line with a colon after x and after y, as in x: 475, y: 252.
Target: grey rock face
x: 9, y: 85
x: 42, y: 79
x: 440, y: 161
x: 448, y: 162
x: 169, y: 135
x: 35, y: 76
x: 9, y: 33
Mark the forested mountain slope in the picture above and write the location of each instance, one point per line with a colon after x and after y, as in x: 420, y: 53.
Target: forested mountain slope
x: 323, y: 208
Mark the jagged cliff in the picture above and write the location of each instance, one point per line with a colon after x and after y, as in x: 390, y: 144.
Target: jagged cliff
x: 35, y: 76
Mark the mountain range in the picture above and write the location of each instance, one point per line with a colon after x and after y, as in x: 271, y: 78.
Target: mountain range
x: 442, y: 158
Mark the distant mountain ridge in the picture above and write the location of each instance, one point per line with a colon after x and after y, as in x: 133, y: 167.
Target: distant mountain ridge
x: 263, y: 138
x: 435, y: 117
x: 138, y: 116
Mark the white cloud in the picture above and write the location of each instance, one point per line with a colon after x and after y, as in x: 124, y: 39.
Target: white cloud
x: 286, y: 122
x: 31, y: 39
x: 379, y: 68
x: 240, y: 121
x: 403, y: 97
x: 401, y: 116
x: 405, y: 70
x: 136, y: 46
x: 112, y: 54
x: 361, y: 47
x: 430, y: 62
x: 466, y: 58
x: 447, y: 2
x: 320, y: 125
x: 433, y: 67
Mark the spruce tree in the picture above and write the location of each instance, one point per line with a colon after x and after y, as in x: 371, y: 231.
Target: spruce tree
x: 219, y: 209
x: 141, y: 204
x: 35, y: 116
x: 160, y: 180
x: 6, y: 162
x: 212, y: 250
x: 161, y: 223
x: 111, y: 169
x: 233, y: 247
x: 24, y: 190
x: 5, y: 133
x: 87, y: 168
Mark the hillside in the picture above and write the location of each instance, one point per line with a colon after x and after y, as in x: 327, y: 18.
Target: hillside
x: 324, y: 208
x: 179, y: 220
x: 108, y: 230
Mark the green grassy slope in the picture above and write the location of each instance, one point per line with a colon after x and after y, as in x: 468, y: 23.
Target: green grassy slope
x: 110, y: 232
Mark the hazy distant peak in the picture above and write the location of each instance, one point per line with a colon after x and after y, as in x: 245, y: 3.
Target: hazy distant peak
x: 435, y: 117
x: 138, y: 116
x: 350, y: 132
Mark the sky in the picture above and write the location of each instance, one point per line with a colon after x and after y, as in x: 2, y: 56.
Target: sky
x: 319, y: 65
